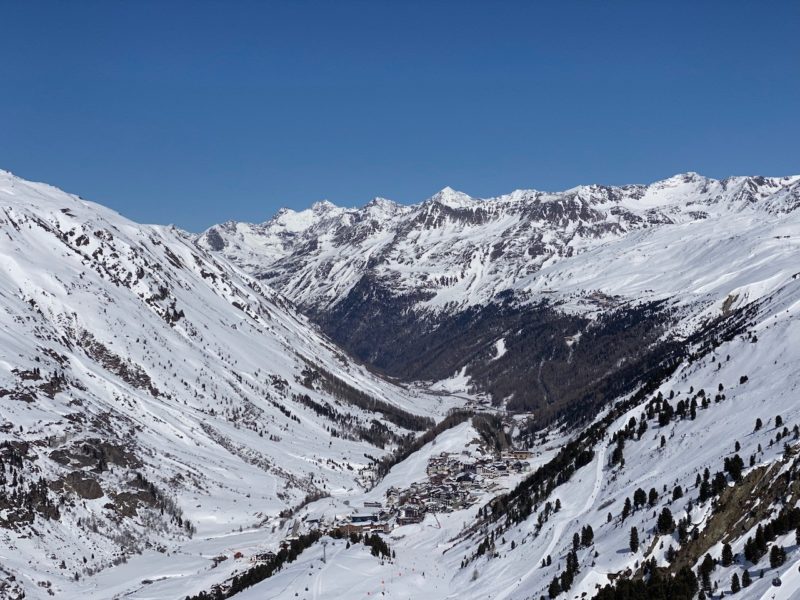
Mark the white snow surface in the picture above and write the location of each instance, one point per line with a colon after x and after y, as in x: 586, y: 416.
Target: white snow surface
x: 593, y: 492
x: 587, y: 246
x: 177, y: 356
x: 742, y: 249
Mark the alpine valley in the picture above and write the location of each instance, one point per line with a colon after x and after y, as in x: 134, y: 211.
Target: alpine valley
x: 587, y: 394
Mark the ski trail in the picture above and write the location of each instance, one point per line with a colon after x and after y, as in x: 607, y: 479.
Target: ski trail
x: 598, y: 477
x: 317, y: 590
x: 558, y: 528
x: 790, y: 580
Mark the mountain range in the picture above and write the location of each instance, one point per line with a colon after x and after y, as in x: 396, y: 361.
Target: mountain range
x: 595, y: 275
x: 463, y: 397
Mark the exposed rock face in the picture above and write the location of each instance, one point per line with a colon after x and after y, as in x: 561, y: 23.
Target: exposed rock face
x: 84, y: 485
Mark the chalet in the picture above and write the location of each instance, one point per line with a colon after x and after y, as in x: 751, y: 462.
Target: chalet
x: 487, y: 470
x: 366, y: 527
x: 263, y: 558
x: 409, y: 514
x: 439, y: 465
x: 392, y: 495
x: 380, y: 528
x: 517, y: 454
x: 365, y: 518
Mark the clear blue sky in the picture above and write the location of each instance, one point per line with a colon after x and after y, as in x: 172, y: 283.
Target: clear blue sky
x: 198, y: 112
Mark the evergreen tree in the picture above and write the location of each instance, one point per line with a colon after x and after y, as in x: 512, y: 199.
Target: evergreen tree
x: 706, y: 567
x: 777, y: 556
x: 734, y: 467
x: 554, y: 589
x: 735, y: 587
x: 677, y: 493
x: 720, y: 483
x: 626, y: 510
x: 705, y: 491
x: 617, y: 456
x: 566, y: 580
x: 665, y: 523
x: 634, y: 540
x: 761, y: 542
x: 587, y: 536
x: 746, y: 581
x: 683, y: 534
x: 727, y: 555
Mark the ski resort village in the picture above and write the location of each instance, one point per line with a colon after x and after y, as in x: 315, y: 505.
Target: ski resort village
x: 451, y: 482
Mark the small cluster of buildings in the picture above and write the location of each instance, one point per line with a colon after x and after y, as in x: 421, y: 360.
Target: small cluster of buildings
x: 455, y: 482
x: 512, y: 461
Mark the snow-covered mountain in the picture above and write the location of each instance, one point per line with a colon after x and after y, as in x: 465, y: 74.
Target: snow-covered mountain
x: 676, y: 442
x: 168, y: 420
x: 150, y: 392
x: 454, y: 251
x: 695, y: 447
x: 579, y: 282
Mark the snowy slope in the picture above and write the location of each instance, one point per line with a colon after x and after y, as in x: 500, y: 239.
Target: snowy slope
x: 125, y: 350
x: 129, y: 349
x: 456, y: 251
x: 712, y: 250
x: 428, y: 562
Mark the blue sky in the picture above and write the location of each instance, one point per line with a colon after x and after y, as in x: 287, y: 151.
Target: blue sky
x: 197, y: 112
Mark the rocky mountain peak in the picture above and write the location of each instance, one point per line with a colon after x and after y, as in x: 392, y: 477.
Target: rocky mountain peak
x: 451, y: 198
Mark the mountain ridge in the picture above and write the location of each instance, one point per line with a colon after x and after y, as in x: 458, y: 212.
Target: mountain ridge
x: 390, y: 288
x: 151, y: 392
x: 295, y: 249
x: 448, y: 192
x: 172, y: 426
